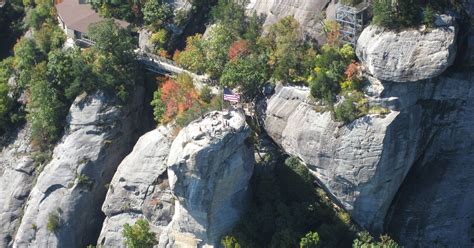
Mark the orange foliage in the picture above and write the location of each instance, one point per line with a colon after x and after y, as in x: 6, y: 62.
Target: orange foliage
x: 178, y: 97
x: 352, y: 70
x: 238, y: 48
x: 176, y: 55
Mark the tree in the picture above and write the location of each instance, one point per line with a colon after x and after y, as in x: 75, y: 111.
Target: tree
x: 238, y: 48
x: 159, y: 39
x: 113, y: 57
x: 159, y: 107
x: 139, y: 235
x: 157, y: 13
x: 192, y: 58
x: 26, y: 57
x: 285, y: 49
x: 6, y: 71
x: 216, y: 48
x: 231, y: 15
x: 45, y: 110
x: 310, y: 240
x: 49, y: 37
x: 248, y: 74
x: 383, y: 13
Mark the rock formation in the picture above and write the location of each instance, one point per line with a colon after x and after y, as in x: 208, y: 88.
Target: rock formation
x: 409, y: 55
x: 407, y: 173
x: 139, y: 188
x: 17, y: 174
x: 191, y: 196
x: 71, y: 188
x: 309, y: 13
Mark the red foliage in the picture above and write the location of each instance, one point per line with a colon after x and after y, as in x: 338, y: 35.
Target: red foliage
x: 238, y: 48
x: 177, y: 98
x: 352, y: 70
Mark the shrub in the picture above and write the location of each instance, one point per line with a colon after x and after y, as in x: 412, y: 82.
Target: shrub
x: 139, y: 235
x: 206, y: 94
x: 54, y: 222
x: 429, y: 16
x: 85, y: 181
x: 230, y: 242
x: 310, y: 240
x: 364, y: 239
x: 346, y: 111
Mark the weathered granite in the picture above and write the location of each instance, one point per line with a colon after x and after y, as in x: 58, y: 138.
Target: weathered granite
x: 139, y: 188
x: 309, y: 13
x: 17, y: 174
x: 209, y: 168
x: 409, y: 55
x: 99, y: 133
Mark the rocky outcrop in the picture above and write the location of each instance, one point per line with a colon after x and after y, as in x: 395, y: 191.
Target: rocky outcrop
x: 352, y: 162
x: 191, y: 188
x: 364, y: 163
x: 144, y: 42
x: 309, y: 13
x: 209, y: 168
x: 71, y: 188
x: 17, y: 174
x: 139, y: 188
x: 409, y: 55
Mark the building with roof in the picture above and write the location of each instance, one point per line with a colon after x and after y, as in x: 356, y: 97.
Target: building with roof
x: 75, y: 16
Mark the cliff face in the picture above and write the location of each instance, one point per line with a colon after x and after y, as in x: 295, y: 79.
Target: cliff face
x: 209, y: 168
x: 406, y: 173
x: 72, y: 186
x: 191, y: 188
x: 139, y: 189
x: 309, y: 13
x: 17, y: 173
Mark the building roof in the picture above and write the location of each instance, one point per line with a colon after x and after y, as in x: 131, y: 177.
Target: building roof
x: 78, y: 16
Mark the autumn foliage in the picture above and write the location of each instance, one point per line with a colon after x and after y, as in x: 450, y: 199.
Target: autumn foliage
x: 238, y: 48
x: 352, y: 70
x: 178, y: 95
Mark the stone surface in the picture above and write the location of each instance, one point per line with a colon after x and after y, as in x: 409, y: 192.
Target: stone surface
x: 17, y: 174
x: 144, y: 43
x: 139, y: 188
x: 191, y: 188
x: 209, y: 168
x: 309, y: 13
x: 98, y: 135
x: 364, y: 165
x: 409, y: 55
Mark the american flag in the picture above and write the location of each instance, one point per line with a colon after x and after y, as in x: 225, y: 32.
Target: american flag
x: 230, y: 96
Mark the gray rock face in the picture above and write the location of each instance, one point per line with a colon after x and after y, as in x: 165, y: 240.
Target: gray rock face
x: 347, y: 159
x: 209, y: 168
x: 309, y: 13
x: 144, y: 43
x: 191, y: 188
x: 409, y: 55
x: 139, y: 189
x: 417, y: 157
x: 72, y: 185
x: 17, y: 173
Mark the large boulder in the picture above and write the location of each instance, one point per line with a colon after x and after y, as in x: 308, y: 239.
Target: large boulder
x: 191, y: 188
x: 139, y: 189
x: 364, y: 164
x: 17, y: 174
x: 409, y: 55
x: 63, y: 208
x: 209, y: 168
